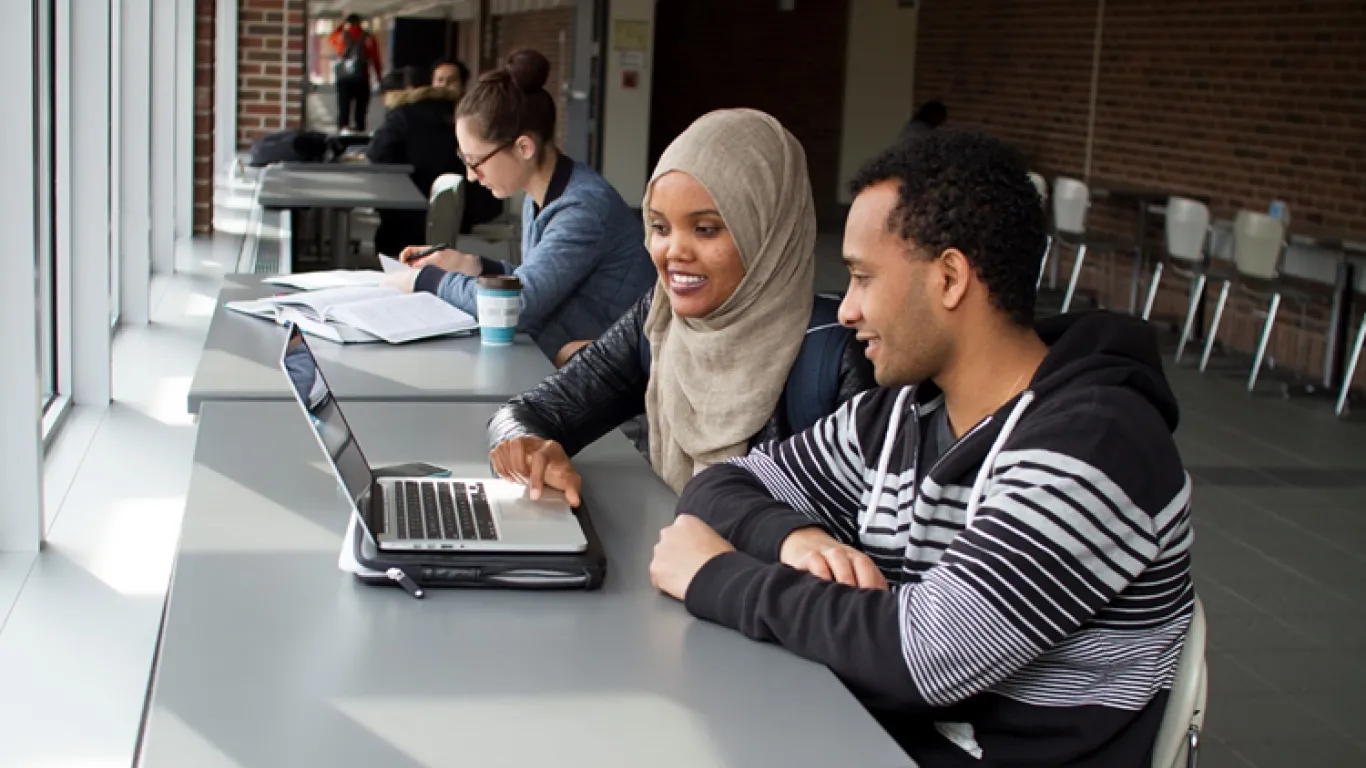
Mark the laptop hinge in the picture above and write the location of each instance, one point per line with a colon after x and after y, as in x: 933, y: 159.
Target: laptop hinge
x: 374, y: 509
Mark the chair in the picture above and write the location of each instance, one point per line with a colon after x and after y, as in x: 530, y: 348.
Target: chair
x: 1187, y: 230
x: 1041, y: 185
x: 1178, y: 738
x: 1258, y: 244
x: 507, y: 228
x: 1071, y: 199
x: 446, y: 209
x: 1341, y: 406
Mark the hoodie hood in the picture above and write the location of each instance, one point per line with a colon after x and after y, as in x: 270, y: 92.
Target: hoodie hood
x: 396, y: 99
x: 1104, y: 349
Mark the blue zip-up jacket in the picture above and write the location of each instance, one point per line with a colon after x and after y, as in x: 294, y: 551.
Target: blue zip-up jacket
x: 584, y: 261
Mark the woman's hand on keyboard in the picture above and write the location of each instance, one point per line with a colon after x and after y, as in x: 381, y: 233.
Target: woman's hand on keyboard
x: 537, y: 463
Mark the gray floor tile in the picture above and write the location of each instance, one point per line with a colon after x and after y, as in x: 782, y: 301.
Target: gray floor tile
x: 1303, y: 753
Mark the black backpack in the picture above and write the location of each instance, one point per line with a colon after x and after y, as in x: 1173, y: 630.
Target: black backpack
x: 813, y: 385
x: 288, y: 146
x: 351, y: 65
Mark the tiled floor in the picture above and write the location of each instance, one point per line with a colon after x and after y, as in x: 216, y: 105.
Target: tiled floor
x: 1280, y: 557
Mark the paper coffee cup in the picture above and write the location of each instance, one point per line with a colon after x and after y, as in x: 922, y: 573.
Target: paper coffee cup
x: 500, y: 305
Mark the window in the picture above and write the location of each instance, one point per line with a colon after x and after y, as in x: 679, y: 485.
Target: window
x: 45, y: 95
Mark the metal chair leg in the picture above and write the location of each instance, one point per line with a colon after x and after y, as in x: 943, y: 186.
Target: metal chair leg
x: 1043, y: 265
x: 1152, y: 292
x: 1266, y: 339
x: 1351, y: 371
x: 1213, y: 331
x: 1197, y: 294
x: 1076, y: 276
x: 1192, y: 746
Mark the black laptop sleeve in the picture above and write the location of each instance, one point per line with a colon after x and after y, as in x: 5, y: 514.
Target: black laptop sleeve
x: 503, y: 570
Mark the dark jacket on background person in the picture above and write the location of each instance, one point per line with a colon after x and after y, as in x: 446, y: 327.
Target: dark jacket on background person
x: 419, y: 130
x: 603, y: 386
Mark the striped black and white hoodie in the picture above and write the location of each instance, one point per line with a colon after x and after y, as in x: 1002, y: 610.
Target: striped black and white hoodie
x: 1040, y: 568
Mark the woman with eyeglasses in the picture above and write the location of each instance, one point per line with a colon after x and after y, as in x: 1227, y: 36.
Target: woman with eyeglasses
x: 583, y: 260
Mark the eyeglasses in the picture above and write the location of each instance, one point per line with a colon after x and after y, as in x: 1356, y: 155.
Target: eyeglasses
x: 474, y: 165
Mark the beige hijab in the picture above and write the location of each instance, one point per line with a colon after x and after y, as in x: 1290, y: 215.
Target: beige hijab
x: 715, y: 381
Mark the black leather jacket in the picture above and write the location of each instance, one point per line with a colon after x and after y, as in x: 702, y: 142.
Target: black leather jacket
x: 603, y: 386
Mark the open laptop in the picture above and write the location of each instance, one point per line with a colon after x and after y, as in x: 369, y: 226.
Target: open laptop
x: 402, y: 514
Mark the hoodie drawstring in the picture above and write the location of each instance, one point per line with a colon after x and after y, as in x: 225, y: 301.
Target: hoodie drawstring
x: 890, y: 440
x: 984, y: 473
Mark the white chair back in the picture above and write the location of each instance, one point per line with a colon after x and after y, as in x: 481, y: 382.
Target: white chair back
x: 1071, y: 198
x: 446, y: 209
x: 1258, y: 241
x: 1040, y: 184
x: 1186, y: 703
x: 1187, y: 227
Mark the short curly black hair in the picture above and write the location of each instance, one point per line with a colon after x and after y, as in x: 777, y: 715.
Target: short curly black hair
x: 971, y: 192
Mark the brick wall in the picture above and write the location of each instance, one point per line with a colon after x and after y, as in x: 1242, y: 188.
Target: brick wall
x: 203, y: 115
x: 1242, y: 102
x: 552, y: 33
x: 711, y: 54
x: 270, y: 67
x: 1247, y: 102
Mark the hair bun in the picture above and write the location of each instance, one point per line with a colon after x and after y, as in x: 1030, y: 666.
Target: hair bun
x: 529, y: 69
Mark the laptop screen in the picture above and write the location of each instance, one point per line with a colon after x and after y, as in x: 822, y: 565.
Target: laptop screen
x: 338, y: 442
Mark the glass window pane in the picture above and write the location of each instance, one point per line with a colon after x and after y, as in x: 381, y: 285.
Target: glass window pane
x: 45, y: 176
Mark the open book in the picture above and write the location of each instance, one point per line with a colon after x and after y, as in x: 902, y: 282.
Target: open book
x: 358, y: 314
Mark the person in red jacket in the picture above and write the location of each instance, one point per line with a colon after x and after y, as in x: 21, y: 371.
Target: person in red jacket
x: 357, y: 54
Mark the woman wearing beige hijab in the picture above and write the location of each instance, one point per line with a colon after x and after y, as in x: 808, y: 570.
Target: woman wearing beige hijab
x: 730, y: 347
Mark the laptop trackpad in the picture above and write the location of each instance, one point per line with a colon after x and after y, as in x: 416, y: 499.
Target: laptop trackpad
x: 515, y: 505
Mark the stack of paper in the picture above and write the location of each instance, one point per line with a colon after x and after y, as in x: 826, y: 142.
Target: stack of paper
x: 362, y: 313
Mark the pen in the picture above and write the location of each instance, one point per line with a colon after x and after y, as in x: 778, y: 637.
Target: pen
x: 426, y: 252
x: 404, y: 581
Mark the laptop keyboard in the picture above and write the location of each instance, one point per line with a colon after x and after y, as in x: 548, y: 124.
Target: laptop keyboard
x: 453, y: 511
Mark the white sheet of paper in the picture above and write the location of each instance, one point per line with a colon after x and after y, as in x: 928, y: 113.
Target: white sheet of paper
x: 405, y: 317
x: 391, y: 264
x: 336, y: 278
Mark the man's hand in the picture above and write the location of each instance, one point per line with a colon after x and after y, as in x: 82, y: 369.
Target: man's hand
x: 537, y: 463
x: 448, y: 259
x: 821, y: 555
x: 683, y: 548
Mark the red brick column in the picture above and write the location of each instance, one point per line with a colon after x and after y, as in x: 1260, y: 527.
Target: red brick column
x: 270, y: 67
x: 203, y: 115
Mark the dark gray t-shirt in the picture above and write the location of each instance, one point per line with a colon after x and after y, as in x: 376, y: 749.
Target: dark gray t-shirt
x: 936, y: 438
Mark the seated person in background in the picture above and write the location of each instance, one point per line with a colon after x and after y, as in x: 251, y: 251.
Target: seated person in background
x: 583, y: 263
x: 451, y: 73
x: 997, y: 560
x: 418, y: 130
x: 729, y: 348
x: 481, y: 206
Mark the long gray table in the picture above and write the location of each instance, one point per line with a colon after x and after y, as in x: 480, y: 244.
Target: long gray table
x: 346, y: 189
x: 271, y: 656
x: 336, y: 193
x: 241, y: 361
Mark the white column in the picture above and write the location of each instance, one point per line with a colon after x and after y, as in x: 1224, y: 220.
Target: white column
x: 225, y: 85
x: 184, y: 118
x: 135, y: 158
x: 625, y: 121
x: 83, y: 224
x: 114, y: 84
x: 163, y: 135
x: 20, y: 443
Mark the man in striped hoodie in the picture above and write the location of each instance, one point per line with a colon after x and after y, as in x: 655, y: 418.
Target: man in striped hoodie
x: 997, y: 560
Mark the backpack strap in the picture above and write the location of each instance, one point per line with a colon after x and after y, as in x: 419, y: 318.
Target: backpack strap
x: 813, y: 385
